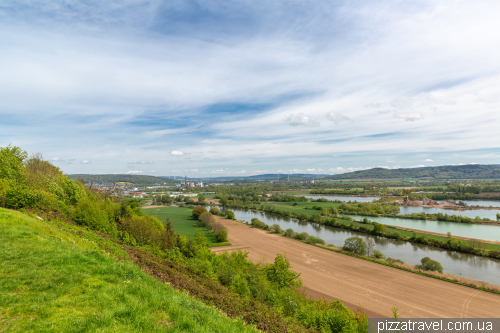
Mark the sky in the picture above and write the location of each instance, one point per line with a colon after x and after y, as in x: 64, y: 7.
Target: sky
x: 245, y: 87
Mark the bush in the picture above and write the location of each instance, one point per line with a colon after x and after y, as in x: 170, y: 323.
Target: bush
x: 431, y: 265
x: 230, y: 214
x: 214, y: 211
x: 395, y: 261
x: 289, y: 232
x: 355, y: 245
x: 315, y: 240
x: 222, y: 236
x: 198, y: 211
x: 377, y: 254
x: 302, y: 236
x: 277, y: 229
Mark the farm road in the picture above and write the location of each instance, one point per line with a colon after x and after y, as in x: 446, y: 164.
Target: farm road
x: 375, y: 287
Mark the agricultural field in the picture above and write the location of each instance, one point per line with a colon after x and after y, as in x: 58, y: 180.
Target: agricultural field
x: 181, y: 221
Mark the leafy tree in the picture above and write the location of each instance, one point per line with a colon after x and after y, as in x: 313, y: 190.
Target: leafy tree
x: 378, y: 229
x: 279, y: 273
x: 11, y: 163
x: 198, y: 211
x: 214, y: 211
x: 377, y: 254
x: 356, y: 245
x: 230, y: 214
x: 431, y: 265
x: 222, y: 236
x: 277, y: 229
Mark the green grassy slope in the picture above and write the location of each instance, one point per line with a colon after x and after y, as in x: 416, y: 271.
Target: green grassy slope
x: 55, y: 279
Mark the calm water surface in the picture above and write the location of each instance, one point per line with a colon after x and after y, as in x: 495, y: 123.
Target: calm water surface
x: 475, y: 267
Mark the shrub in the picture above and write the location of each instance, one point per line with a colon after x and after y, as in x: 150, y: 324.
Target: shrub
x: 280, y: 274
x: 356, y: 245
x: 377, y: 254
x: 378, y: 229
x: 315, y: 240
x: 222, y: 236
x: 277, y: 229
x: 289, y: 232
x: 302, y: 236
x: 230, y: 214
x: 395, y: 261
x: 431, y: 265
x: 197, y: 211
x: 214, y: 211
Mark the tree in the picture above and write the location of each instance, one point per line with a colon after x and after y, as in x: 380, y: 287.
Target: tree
x: 201, y: 198
x: 214, y: 211
x: 198, y: 211
x: 356, y: 245
x: 378, y: 229
x: 431, y: 265
x: 223, y: 201
x: 370, y: 244
x: 377, y: 254
x: 11, y: 163
x: 230, y: 214
x: 277, y: 229
x: 222, y: 236
x: 279, y: 273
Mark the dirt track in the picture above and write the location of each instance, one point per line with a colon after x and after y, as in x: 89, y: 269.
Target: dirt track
x: 375, y: 287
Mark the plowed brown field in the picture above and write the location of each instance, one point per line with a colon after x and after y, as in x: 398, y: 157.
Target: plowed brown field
x: 375, y: 287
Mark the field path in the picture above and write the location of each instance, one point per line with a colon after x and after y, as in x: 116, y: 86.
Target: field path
x: 375, y: 287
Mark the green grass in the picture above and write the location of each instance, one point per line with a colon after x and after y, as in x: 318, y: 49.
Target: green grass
x: 300, y: 208
x: 181, y: 221
x: 52, y: 280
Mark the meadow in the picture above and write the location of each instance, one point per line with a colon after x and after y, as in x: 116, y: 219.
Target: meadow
x: 58, y: 278
x: 182, y: 221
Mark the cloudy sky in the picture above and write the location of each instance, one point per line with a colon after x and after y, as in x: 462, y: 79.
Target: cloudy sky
x: 208, y: 88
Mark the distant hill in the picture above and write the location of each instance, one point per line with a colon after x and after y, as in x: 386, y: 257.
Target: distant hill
x: 473, y: 171
x: 112, y: 178
x: 270, y: 176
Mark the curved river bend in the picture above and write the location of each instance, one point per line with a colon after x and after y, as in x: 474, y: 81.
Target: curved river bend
x: 468, y: 265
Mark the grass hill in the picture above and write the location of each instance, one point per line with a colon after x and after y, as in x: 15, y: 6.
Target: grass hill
x: 62, y: 278
x: 135, y: 179
x: 474, y: 171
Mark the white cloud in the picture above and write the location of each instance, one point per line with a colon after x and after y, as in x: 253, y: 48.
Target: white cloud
x: 242, y: 171
x: 194, y: 170
x: 134, y: 172
x: 409, y: 116
x: 56, y: 159
x: 142, y: 162
x: 428, y: 160
x: 176, y: 153
x: 84, y: 162
x: 337, y: 117
x: 300, y: 120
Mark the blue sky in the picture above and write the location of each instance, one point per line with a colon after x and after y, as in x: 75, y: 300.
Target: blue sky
x: 208, y: 88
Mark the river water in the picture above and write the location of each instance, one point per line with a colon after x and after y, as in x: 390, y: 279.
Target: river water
x: 478, y: 231
x: 475, y: 267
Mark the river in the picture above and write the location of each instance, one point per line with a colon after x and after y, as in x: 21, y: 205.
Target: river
x: 481, y: 203
x: 475, y: 267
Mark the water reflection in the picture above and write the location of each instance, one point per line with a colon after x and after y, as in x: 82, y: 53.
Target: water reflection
x: 486, y: 269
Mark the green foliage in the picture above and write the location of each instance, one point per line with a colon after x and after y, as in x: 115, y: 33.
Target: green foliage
x: 356, y: 245
x: 214, y: 211
x: 277, y: 229
x: 83, y: 289
x: 302, y: 236
x: 222, y: 236
x: 315, y: 240
x: 230, y: 214
x: 289, y: 232
x: 11, y: 163
x: 431, y: 265
x: 377, y: 254
x: 280, y: 274
x: 197, y: 211
x: 378, y: 229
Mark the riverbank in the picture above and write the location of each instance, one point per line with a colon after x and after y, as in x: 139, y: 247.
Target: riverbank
x: 374, y: 286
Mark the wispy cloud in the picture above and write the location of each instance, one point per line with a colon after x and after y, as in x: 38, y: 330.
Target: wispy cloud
x: 250, y: 85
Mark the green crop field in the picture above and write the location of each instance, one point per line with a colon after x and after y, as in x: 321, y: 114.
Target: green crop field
x: 58, y: 278
x: 181, y: 221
